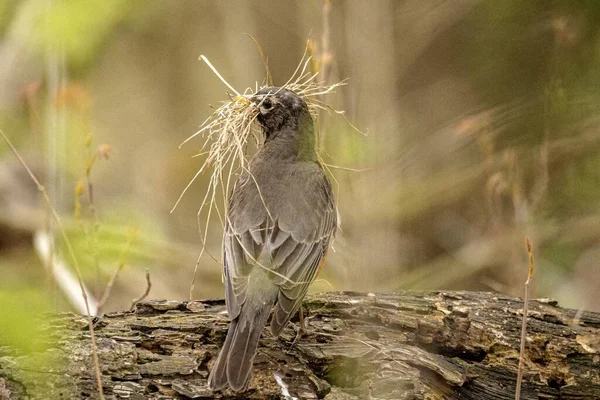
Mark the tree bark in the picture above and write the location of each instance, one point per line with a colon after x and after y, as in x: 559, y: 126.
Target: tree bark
x: 409, y: 345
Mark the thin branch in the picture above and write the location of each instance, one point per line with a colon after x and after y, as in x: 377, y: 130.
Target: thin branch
x: 145, y: 294
x: 71, y: 251
x: 108, y: 289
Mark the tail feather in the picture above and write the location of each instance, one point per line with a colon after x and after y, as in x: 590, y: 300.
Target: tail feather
x: 234, y: 364
x: 218, y: 376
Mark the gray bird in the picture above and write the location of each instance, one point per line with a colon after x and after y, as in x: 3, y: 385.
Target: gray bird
x: 280, y: 221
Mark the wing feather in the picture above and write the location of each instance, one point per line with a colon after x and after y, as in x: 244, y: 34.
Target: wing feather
x: 302, y: 266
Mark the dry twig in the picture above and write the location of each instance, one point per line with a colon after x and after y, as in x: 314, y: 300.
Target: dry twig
x: 143, y: 296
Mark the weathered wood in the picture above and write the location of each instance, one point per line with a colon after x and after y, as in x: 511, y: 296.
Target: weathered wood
x: 410, y: 345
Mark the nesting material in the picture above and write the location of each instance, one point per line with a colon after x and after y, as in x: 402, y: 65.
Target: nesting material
x: 228, y: 129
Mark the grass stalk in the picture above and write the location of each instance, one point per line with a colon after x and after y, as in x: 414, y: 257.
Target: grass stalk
x: 524, y: 321
x: 71, y: 251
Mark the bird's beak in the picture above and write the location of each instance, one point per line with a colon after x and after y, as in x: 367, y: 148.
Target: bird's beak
x: 257, y: 99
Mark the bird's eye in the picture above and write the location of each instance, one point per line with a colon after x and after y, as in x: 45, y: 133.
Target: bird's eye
x: 267, y: 103
x: 266, y: 106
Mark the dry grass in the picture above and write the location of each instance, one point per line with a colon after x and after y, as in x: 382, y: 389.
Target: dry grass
x: 524, y: 320
x: 227, y: 131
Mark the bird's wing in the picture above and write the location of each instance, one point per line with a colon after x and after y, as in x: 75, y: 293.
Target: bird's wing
x: 296, y: 239
x: 298, y: 257
x: 240, y: 248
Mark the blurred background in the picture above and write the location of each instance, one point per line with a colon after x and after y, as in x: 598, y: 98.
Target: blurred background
x: 481, y: 122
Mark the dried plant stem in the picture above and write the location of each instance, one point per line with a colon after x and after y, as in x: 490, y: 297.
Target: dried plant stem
x: 108, y: 289
x: 524, y: 322
x: 143, y: 296
x: 203, y: 58
x: 71, y: 251
x: 265, y: 61
x: 193, y: 283
x: 345, y: 168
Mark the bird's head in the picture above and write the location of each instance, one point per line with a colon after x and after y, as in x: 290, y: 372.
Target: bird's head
x: 281, y: 111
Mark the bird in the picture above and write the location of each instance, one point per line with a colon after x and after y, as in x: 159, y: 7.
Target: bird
x: 280, y: 220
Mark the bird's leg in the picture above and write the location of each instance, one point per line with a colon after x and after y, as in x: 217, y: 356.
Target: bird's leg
x: 301, y: 328
x: 302, y: 320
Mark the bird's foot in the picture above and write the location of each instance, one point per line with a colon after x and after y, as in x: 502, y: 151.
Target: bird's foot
x: 301, y: 329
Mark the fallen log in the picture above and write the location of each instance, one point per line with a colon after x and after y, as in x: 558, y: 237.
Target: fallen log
x: 408, y: 345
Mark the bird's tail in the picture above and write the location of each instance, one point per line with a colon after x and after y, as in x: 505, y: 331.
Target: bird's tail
x: 234, y: 364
